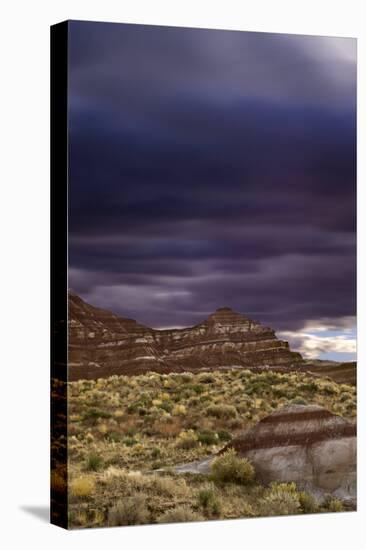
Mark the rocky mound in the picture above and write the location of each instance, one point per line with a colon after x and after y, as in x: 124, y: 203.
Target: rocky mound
x: 306, y: 444
x: 102, y: 344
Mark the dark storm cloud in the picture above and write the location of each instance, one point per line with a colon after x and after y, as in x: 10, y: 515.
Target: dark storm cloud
x: 212, y: 168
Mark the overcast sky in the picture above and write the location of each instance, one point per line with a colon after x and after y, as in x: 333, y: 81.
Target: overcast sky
x: 215, y: 168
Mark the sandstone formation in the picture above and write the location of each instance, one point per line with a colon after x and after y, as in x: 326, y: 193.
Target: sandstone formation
x: 102, y: 344
x: 306, y: 444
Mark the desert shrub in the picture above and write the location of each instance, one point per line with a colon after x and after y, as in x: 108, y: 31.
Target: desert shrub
x: 245, y: 412
x: 133, y: 483
x: 73, y: 429
x: 75, y: 418
x: 186, y: 377
x: 308, y: 387
x: 204, y: 399
x: 89, y: 438
x: 129, y: 511
x: 179, y: 514
x: 206, y: 378
x: 332, y: 504
x: 99, y: 517
x: 94, y: 462
x: 245, y: 375
x: 111, y: 473
x: 308, y: 503
x: 179, y: 410
x: 224, y: 435
x: 258, y: 387
x: 142, y: 404
x: 82, y: 487
x: 167, y: 406
x: 129, y: 441
x: 299, y: 401
x: 221, y: 411
x: 349, y: 411
x: 86, y: 385
x: 113, y: 437
x: 197, y: 388
x: 78, y: 518
x: 273, y: 378
x: 168, y: 486
x: 155, y: 452
x: 138, y: 448
x: 94, y: 414
x: 103, y: 428
x: 345, y: 396
x: 329, y: 388
x: 281, y: 499
x: 187, y: 440
x: 134, y: 407
x: 168, y: 427
x: 279, y: 391
x: 207, y: 437
x: 129, y: 428
x: 208, y: 500
x: 193, y: 402
x: 229, y: 468
x: 205, y: 496
x: 184, y: 393
x: 234, y: 423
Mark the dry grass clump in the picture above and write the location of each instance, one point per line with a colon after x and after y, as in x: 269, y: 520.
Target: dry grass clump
x: 170, y: 487
x: 79, y: 518
x: 179, y: 410
x: 112, y: 473
x: 208, y: 437
x: 208, y: 499
x: 282, y: 499
x: 229, y: 468
x: 82, y: 487
x: 308, y: 503
x: 180, y: 514
x: 94, y: 462
x: 221, y: 411
x: 152, y: 484
x: 332, y: 504
x: 168, y: 428
x: 129, y: 511
x: 187, y: 440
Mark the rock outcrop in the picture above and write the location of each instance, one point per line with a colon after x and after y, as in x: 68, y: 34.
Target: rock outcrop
x: 102, y: 344
x: 306, y: 444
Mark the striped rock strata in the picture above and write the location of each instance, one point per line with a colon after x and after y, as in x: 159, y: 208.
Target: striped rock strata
x: 102, y: 344
x: 306, y: 444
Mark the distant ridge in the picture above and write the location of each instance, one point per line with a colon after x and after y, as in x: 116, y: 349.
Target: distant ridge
x: 102, y: 344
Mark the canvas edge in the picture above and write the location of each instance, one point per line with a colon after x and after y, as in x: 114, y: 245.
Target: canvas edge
x: 59, y: 264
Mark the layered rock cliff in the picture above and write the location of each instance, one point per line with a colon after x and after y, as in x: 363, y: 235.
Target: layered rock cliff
x: 102, y: 344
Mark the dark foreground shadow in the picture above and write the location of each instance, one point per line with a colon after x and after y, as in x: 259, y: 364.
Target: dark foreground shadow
x: 40, y: 512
